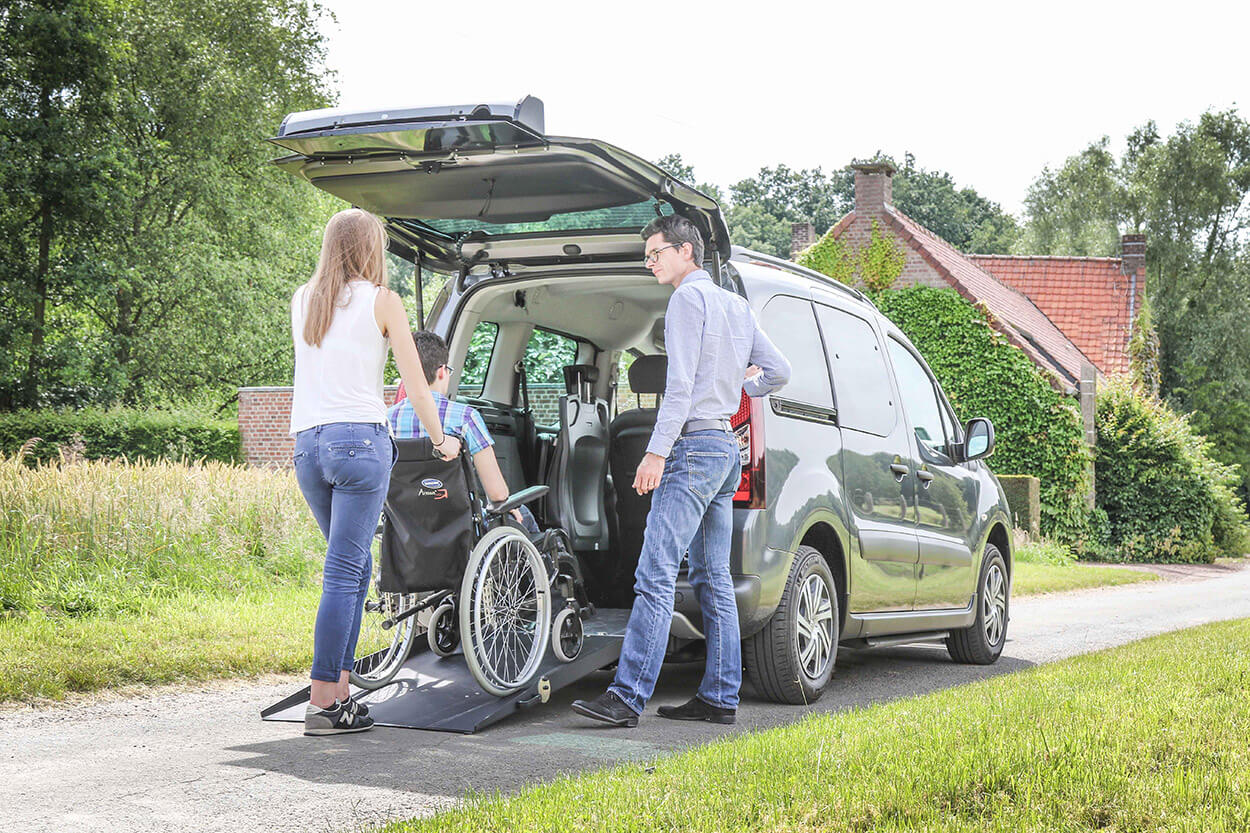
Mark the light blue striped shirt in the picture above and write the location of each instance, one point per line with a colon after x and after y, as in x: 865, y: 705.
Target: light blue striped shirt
x: 711, y: 336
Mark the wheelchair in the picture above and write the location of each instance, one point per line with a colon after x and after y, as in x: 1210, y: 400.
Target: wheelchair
x: 493, y: 592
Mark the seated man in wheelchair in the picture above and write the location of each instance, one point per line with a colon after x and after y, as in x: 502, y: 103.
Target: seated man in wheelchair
x: 503, y: 596
x: 460, y: 419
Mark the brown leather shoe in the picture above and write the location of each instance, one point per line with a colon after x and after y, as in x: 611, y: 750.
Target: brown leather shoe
x: 696, y: 709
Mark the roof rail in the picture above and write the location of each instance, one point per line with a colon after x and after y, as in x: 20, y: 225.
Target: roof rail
x: 795, y: 269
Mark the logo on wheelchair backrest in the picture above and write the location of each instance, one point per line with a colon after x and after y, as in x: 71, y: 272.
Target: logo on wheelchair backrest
x: 432, y: 483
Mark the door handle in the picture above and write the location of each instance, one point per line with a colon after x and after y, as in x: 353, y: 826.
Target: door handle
x: 926, y: 477
x: 900, y: 471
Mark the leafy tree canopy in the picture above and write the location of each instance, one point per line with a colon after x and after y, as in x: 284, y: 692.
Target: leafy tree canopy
x: 147, y: 249
x: 1187, y: 192
x: 761, y: 209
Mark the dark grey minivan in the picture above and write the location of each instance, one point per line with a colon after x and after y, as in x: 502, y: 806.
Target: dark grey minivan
x: 866, y: 515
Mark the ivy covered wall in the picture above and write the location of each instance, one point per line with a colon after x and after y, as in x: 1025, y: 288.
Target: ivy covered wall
x: 1037, y: 429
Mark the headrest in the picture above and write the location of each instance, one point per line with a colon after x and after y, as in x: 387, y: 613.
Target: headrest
x: 648, y: 373
x: 586, y: 374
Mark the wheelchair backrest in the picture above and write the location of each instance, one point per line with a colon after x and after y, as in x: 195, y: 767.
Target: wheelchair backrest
x: 430, y: 522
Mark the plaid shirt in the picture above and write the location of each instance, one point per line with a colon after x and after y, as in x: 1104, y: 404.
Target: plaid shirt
x: 457, y: 418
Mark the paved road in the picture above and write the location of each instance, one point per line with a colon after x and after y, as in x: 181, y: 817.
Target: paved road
x: 202, y: 760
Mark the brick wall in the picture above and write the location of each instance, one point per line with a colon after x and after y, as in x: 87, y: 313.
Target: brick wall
x: 265, y: 419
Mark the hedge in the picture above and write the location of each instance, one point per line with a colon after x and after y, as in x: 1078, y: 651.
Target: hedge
x: 130, y: 434
x: 1037, y: 429
x: 1165, y: 496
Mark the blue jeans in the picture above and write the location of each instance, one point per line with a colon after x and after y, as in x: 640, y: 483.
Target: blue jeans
x: 343, y: 469
x: 528, y: 521
x: 692, y: 508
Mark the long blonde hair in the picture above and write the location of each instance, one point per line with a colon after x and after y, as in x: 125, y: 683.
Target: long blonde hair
x: 353, y: 247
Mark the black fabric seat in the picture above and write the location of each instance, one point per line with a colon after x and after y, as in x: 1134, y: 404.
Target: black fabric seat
x: 628, y: 436
x: 579, y: 469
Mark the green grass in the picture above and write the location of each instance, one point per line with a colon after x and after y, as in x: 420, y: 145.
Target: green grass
x: 1035, y: 579
x: 1046, y: 567
x: 114, y: 573
x: 1148, y: 737
x: 187, y: 638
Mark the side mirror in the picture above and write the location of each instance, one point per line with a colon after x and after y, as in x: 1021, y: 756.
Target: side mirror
x: 978, y: 439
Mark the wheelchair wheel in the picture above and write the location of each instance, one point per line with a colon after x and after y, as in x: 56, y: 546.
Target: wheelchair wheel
x: 382, y: 650
x: 442, y: 633
x: 505, y: 611
x: 567, y: 635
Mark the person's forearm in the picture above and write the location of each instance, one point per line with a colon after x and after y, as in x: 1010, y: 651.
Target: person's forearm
x: 488, y: 472
x: 418, y: 390
x: 775, y: 369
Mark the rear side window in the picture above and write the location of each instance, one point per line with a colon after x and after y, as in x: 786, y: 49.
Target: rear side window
x: 791, y: 325
x: 546, y: 356
x: 861, y: 379
x: 477, y: 359
x: 920, y: 401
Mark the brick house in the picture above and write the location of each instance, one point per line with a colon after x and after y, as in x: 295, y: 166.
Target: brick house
x: 1065, y: 313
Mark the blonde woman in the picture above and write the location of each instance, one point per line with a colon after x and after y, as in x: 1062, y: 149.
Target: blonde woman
x: 342, y: 322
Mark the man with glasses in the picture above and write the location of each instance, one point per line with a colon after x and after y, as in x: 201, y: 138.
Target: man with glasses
x: 457, y: 418
x: 693, y: 466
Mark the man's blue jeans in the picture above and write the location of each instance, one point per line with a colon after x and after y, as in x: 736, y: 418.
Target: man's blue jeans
x: 692, y: 508
x: 343, y: 469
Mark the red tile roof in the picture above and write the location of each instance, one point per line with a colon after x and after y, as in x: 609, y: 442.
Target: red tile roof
x: 1012, y: 313
x: 1087, y: 297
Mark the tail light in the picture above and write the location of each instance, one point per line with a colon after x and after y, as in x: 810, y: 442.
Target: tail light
x: 748, y: 426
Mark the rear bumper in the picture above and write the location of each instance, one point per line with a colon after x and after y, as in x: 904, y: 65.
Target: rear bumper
x: 746, y: 596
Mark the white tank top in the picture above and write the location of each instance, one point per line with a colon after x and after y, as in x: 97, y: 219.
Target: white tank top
x: 340, y: 381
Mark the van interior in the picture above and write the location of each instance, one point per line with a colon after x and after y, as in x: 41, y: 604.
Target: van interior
x: 577, y: 331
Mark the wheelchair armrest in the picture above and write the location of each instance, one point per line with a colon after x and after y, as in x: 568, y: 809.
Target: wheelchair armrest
x: 516, y: 499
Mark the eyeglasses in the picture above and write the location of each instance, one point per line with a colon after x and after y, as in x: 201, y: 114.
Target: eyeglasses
x: 654, y: 255
x: 449, y: 369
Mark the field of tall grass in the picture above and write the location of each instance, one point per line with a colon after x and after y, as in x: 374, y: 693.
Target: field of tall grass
x: 114, y: 572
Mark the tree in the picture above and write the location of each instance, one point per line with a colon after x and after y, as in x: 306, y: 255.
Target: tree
x: 55, y: 88
x: 765, y: 206
x: 180, y: 278
x: 1187, y: 193
x: 960, y: 216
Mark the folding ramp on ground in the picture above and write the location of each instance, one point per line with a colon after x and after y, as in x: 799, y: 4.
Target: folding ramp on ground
x: 439, y: 693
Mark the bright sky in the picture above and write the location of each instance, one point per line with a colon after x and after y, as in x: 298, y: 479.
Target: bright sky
x: 991, y: 93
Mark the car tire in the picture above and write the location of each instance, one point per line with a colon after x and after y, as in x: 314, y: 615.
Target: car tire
x: 982, y: 642
x: 778, y: 659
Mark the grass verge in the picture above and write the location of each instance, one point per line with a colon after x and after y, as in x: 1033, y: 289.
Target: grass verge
x: 1034, y: 579
x: 1129, y: 739
x: 113, y: 573
x: 186, y: 638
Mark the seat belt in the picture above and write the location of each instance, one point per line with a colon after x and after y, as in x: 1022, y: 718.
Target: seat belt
x: 519, y: 369
x: 527, y: 437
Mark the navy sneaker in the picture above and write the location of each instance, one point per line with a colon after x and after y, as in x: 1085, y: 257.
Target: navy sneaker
x: 339, y: 719
x: 358, y: 707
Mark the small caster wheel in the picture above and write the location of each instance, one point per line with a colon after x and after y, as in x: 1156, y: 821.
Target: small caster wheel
x: 442, y: 633
x: 567, y: 635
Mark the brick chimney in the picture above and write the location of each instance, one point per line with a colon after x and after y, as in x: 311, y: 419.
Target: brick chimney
x: 874, y: 186
x: 1132, y: 253
x: 802, y: 235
